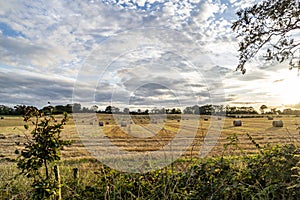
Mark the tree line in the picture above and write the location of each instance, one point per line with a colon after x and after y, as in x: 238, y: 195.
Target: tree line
x: 196, y: 110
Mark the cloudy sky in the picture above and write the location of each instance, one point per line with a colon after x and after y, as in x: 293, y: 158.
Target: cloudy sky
x: 132, y: 53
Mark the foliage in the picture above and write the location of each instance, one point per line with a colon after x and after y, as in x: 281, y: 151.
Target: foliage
x: 262, y: 108
x: 273, y: 173
x: 41, y: 149
x: 271, y: 24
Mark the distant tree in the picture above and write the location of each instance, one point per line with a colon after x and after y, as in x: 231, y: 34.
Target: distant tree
x: 19, y: 109
x: 94, y: 108
x: 274, y: 110
x: 115, y: 109
x: 76, y: 107
x: 188, y: 110
x: 162, y: 111
x: 155, y: 111
x: 48, y: 109
x: 86, y: 110
x: 206, y: 110
x: 173, y: 111
x: 196, y: 110
x: 5, y: 110
x: 287, y: 111
x: 219, y: 109
x: 69, y: 108
x: 126, y: 110
x: 108, y: 109
x: 59, y: 109
x: 112, y: 109
x: 269, y: 24
x: 262, y: 108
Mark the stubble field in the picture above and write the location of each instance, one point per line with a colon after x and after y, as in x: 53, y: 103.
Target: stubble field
x: 151, y: 134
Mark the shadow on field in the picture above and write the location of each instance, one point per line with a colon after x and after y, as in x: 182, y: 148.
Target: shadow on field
x: 273, y: 128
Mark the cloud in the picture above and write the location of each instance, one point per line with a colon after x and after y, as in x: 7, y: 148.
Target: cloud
x: 189, y: 49
x: 34, y: 89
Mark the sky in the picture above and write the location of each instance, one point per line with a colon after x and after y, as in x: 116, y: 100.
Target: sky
x: 132, y: 53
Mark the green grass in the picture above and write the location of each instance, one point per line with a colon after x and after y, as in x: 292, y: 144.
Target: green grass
x: 270, y: 174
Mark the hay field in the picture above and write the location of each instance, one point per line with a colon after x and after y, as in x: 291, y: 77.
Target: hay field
x: 148, y: 134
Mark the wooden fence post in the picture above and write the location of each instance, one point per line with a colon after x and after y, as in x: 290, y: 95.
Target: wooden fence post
x: 75, y: 173
x: 57, y: 178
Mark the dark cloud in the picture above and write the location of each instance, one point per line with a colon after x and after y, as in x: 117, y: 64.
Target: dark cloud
x: 27, y: 89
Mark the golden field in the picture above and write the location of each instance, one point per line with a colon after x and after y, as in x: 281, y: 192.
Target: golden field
x: 151, y: 134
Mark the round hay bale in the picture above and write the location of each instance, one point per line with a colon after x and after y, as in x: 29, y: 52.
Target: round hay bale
x: 100, y: 123
x: 270, y: 118
x: 106, y: 123
x: 237, y: 122
x: 123, y: 124
x: 205, y: 119
x: 277, y: 123
x: 178, y: 120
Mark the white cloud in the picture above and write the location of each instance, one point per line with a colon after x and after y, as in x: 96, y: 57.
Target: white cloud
x: 56, y: 38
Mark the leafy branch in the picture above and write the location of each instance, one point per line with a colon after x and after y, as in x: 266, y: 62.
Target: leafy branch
x: 260, y: 25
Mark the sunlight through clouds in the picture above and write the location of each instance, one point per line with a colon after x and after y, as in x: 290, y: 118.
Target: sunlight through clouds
x: 54, y: 39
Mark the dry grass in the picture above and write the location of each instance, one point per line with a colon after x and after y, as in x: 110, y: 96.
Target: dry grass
x: 146, y: 135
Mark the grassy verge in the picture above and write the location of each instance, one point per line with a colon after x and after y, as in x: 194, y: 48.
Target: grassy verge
x: 270, y: 174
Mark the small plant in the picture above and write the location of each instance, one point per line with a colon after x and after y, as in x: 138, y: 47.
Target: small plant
x: 42, y: 149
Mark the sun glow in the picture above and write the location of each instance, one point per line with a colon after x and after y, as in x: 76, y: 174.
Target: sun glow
x: 288, y: 90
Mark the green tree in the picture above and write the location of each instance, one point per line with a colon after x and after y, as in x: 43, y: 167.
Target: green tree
x: 273, y: 25
x: 94, y: 108
x: 76, y: 107
x: 5, y: 110
x: 108, y: 109
x: 188, y: 110
x: 41, y: 150
x: 126, y: 110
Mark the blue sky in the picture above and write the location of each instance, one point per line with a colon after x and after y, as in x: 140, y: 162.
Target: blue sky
x: 132, y: 53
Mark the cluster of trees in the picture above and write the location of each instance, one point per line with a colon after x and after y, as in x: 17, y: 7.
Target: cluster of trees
x: 58, y: 109
x: 196, y: 110
x: 113, y: 109
x: 289, y: 111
